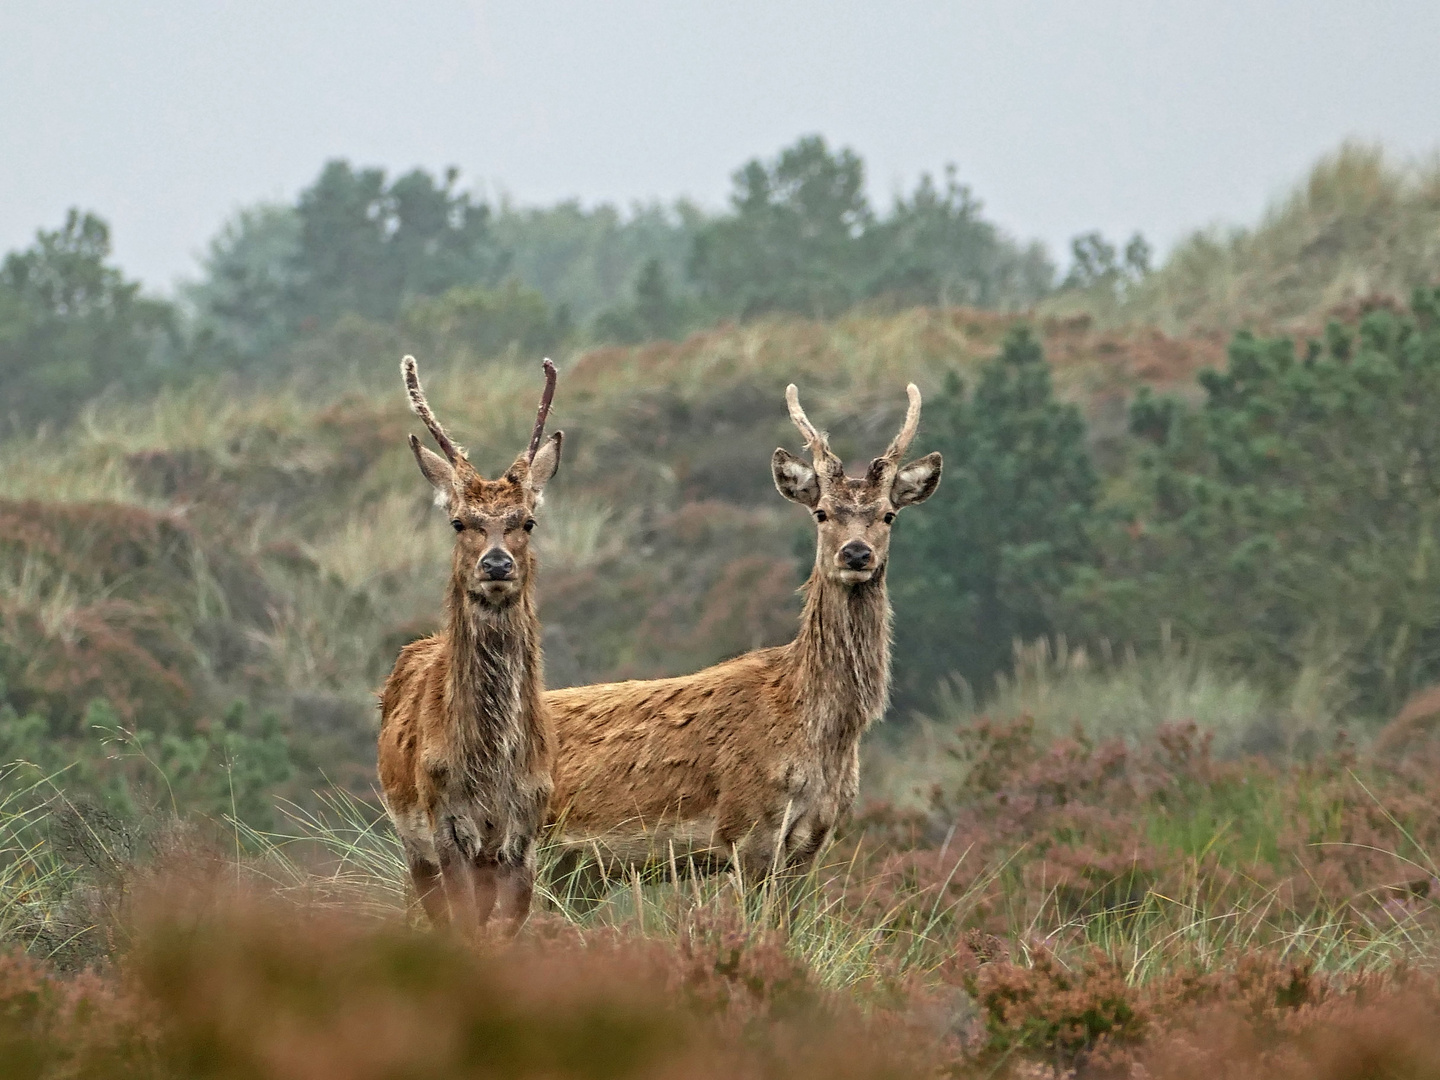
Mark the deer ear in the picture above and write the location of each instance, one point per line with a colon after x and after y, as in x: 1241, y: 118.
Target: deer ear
x: 916, y: 482
x: 437, y: 470
x: 794, y: 479
x: 547, y: 461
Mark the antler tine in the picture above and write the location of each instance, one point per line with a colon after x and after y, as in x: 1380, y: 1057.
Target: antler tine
x: 896, y: 450
x: 544, y: 411
x: 813, y: 438
x: 421, y: 408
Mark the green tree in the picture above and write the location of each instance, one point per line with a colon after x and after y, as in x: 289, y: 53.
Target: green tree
x: 488, y: 321
x: 1009, y: 531
x: 244, y: 301
x: 1095, y: 263
x: 795, y: 240
x: 935, y: 248
x: 656, y: 311
x: 72, y: 326
x: 590, y: 259
x: 354, y: 243
x: 1293, y: 517
x: 367, y: 246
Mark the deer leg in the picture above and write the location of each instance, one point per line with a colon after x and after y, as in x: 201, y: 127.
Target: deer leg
x: 457, y: 877
x: 757, y: 855
x: 426, y: 877
x: 485, y: 873
x: 517, y: 889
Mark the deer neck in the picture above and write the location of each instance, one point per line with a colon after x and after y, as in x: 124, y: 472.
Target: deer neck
x: 842, y: 658
x: 493, y: 688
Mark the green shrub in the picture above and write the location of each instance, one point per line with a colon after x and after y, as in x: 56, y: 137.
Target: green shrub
x: 985, y: 563
x: 1293, y: 517
x: 72, y: 326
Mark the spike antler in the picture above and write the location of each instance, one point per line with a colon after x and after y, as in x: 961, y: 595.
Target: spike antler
x: 883, y: 468
x: 545, y: 399
x: 421, y: 408
x: 815, y: 441
x: 898, y: 445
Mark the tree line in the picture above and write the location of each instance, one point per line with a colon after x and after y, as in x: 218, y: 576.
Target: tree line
x: 800, y: 235
x: 1288, y: 522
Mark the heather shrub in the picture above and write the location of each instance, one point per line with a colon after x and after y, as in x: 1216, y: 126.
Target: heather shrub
x: 238, y: 987
x: 1059, y: 1012
x: 1093, y: 833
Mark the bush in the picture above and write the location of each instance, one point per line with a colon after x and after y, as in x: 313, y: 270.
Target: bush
x: 1292, y: 519
x: 72, y: 326
x: 985, y: 563
x: 487, y: 321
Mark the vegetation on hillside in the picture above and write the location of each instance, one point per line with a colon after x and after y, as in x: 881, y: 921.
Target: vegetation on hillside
x: 1359, y: 229
x: 1156, y: 795
x: 1056, y: 903
x: 800, y: 236
x: 1288, y: 520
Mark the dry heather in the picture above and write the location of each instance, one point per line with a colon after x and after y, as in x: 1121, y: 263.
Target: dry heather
x: 1057, y: 905
x: 1079, y: 883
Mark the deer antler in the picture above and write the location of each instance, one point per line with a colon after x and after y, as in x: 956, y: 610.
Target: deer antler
x: 545, y: 399
x: 815, y: 441
x: 421, y: 408
x: 898, y: 445
x: 883, y: 468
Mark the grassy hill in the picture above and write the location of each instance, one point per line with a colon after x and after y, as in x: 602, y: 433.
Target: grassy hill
x: 1021, y: 887
x: 1126, y: 857
x: 1361, y: 229
x: 279, y: 547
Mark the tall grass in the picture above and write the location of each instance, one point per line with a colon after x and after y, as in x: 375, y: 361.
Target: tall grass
x: 1360, y: 226
x: 34, y: 879
x: 345, y: 855
x: 849, y: 925
x: 1119, y: 693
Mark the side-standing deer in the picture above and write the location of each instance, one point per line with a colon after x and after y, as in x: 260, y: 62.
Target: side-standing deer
x: 465, y: 741
x: 755, y: 759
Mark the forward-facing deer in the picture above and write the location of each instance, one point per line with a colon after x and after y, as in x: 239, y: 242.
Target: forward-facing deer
x: 756, y: 758
x: 465, y: 741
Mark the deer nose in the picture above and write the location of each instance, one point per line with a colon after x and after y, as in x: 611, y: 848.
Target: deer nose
x: 497, y: 565
x: 856, y: 554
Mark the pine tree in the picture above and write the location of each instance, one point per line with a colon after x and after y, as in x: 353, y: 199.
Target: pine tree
x: 1006, y: 534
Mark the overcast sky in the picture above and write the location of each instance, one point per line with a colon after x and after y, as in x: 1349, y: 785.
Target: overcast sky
x: 1063, y: 116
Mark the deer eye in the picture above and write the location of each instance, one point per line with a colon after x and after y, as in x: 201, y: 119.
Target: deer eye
x: 888, y: 518
x: 459, y: 525
x: 529, y: 524
x: 820, y: 515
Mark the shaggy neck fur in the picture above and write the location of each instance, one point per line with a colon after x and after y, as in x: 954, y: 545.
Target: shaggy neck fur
x: 841, y: 667
x: 493, y: 689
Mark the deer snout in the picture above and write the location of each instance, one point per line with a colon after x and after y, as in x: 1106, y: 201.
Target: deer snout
x: 497, y: 565
x: 856, y: 555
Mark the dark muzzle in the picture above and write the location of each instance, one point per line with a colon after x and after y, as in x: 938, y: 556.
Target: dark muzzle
x: 856, y: 555
x: 497, y: 565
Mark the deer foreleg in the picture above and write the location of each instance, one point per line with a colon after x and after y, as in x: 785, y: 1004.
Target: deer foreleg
x: 457, y: 876
x: 426, y: 877
x: 485, y: 873
x: 516, y: 890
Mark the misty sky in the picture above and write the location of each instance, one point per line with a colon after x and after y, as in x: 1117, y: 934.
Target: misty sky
x: 1063, y: 116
